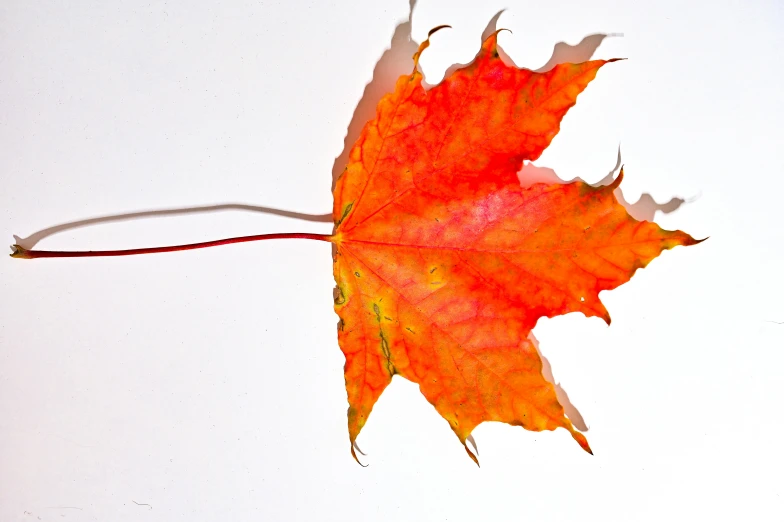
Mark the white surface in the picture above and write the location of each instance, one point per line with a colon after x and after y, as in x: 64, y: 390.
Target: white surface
x: 209, y: 384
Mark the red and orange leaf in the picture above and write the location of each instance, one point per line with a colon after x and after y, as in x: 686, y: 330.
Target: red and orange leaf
x: 444, y: 263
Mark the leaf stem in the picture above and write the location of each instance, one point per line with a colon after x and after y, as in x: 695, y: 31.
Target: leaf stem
x: 23, y: 253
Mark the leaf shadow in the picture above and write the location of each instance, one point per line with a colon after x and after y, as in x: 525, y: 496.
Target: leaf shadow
x: 395, y: 61
x: 644, y: 209
x: 569, y: 409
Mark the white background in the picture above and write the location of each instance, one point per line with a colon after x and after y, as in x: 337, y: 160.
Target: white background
x: 209, y: 384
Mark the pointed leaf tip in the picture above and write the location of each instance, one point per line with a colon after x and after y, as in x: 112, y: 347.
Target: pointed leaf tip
x: 582, y: 441
x: 470, y: 454
x: 424, y: 45
x: 490, y: 44
x: 495, y: 33
x: 436, y: 29
x: 617, y: 181
x: 354, y: 454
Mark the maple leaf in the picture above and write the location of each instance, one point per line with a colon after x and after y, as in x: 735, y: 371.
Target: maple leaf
x: 444, y: 263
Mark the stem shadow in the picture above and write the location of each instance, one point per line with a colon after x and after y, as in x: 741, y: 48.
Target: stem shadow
x: 30, y: 241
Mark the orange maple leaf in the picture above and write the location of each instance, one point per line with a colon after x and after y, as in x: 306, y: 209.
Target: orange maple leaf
x: 444, y: 263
